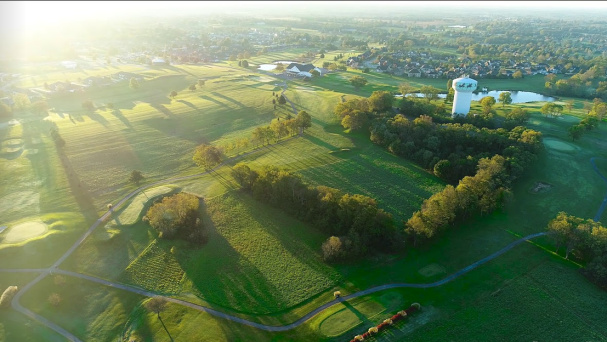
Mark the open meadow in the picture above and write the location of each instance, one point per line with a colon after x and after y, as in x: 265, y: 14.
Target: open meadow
x: 259, y: 263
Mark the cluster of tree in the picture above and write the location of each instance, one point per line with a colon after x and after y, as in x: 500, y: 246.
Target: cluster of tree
x: 453, y: 150
x: 354, y: 221
x: 355, y: 114
x: 207, y: 156
x: 551, y: 109
x: 243, y: 63
x: 588, y: 123
x: 583, y: 84
x: 335, y: 66
x: 480, y: 194
x: 272, y: 133
x: 586, y: 240
x: 358, y: 81
x: 177, y: 216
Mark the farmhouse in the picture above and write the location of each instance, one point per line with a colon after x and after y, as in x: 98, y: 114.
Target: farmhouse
x: 302, y: 69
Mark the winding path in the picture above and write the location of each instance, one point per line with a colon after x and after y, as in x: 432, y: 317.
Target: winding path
x: 599, y: 213
x: 44, y: 272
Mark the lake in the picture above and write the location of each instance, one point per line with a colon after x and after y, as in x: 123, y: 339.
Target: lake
x: 269, y: 67
x: 517, y: 96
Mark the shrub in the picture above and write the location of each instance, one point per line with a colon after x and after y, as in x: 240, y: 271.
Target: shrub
x: 388, y: 321
x: 332, y: 249
x: 373, y: 330
x: 359, y: 338
x: 54, y: 299
x: 8, y: 295
x: 417, y: 306
x: 403, y: 313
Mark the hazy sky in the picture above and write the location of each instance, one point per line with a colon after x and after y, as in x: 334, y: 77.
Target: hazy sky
x: 31, y: 14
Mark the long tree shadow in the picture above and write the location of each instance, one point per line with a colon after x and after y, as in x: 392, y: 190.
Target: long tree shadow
x: 165, y: 328
x: 162, y: 109
x: 118, y: 114
x: 229, y: 99
x: 362, y: 317
x: 232, y: 282
x: 205, y: 97
x: 187, y: 103
x: 93, y: 115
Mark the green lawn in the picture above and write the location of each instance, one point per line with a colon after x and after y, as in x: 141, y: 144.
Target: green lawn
x: 260, y: 263
x: 91, y: 311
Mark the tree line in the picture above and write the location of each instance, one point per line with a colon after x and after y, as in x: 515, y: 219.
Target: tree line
x: 586, y: 240
x: 354, y: 222
x: 452, y: 151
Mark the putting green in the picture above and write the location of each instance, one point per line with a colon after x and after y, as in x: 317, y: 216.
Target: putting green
x: 131, y: 214
x: 559, y: 145
x: 25, y: 231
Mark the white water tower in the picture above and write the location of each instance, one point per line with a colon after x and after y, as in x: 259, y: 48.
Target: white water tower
x: 463, y: 87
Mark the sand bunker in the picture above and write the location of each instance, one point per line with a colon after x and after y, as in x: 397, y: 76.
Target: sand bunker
x: 559, y: 145
x: 431, y: 270
x: 13, y: 142
x: 24, y: 231
x: 540, y: 187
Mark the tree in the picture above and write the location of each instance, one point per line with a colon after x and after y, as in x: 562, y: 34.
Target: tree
x: 245, y: 64
x: 405, y: 88
x: 282, y: 100
x: 88, y: 105
x: 551, y: 109
x: 358, y: 81
x: 487, y: 102
x: 133, y: 83
x: 381, y: 101
x: 156, y: 304
x: 450, y: 95
x: 517, y: 74
x: 315, y: 72
x: 569, y: 104
x: 201, y: 83
x: 575, y: 132
x: 175, y: 215
x: 192, y: 87
x: 21, y: 101
x: 430, y: 92
x: 303, y: 120
x: 207, y: 156
x: 505, y: 98
x: 173, y: 94
x: 332, y: 249
x: 136, y: 177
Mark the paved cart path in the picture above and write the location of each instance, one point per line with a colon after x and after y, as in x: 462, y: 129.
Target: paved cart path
x: 53, y: 270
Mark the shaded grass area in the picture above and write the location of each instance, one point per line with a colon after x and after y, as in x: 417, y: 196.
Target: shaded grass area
x: 90, y: 311
x: 14, y: 326
x: 149, y: 132
x: 257, y: 260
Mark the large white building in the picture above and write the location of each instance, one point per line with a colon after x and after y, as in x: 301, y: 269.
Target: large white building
x: 463, y: 87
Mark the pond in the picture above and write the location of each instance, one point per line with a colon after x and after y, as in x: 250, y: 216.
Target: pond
x: 269, y: 67
x: 517, y: 96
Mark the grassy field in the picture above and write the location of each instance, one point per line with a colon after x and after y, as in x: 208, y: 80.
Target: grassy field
x: 90, y: 311
x: 260, y: 263
x: 16, y: 327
